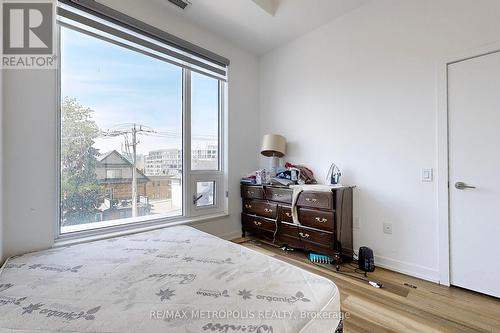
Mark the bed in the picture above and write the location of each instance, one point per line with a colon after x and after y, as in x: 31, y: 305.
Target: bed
x: 174, y: 279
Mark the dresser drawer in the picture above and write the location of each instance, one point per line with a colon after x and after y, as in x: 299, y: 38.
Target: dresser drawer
x: 323, y: 238
x: 262, y: 208
x: 256, y: 222
x: 317, y: 219
x: 285, y: 213
x: 252, y: 192
x: 290, y: 242
x: 322, y: 200
x: 279, y: 194
x: 321, y: 249
x: 289, y: 230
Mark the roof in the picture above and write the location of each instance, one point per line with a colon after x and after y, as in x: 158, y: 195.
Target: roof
x: 106, y: 158
x: 115, y: 159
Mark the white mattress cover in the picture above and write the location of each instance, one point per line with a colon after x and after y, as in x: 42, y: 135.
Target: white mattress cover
x: 159, y: 281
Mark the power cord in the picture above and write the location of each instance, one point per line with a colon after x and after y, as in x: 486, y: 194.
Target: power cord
x: 357, y: 270
x: 372, y: 283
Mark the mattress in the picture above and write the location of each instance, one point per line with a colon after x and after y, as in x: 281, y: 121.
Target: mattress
x: 174, y: 279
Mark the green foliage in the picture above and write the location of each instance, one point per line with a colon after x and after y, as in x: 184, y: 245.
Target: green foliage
x: 79, y: 187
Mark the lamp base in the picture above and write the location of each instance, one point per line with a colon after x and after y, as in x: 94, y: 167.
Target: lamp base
x: 273, y: 167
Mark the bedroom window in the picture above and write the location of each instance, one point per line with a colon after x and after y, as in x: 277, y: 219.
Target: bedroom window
x: 205, y: 194
x: 204, y: 122
x: 140, y: 132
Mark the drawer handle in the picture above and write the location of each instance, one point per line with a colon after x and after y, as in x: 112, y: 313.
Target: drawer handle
x: 288, y: 214
x: 304, y: 235
x: 248, y: 206
x: 321, y: 220
x: 267, y: 210
x: 311, y: 200
x: 250, y: 192
x: 257, y: 223
x: 278, y: 195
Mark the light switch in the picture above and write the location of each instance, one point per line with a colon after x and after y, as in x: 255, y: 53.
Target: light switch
x: 427, y: 175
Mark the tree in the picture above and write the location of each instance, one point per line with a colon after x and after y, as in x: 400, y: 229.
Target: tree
x: 79, y: 186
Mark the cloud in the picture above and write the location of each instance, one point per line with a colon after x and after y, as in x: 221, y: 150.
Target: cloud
x: 123, y: 86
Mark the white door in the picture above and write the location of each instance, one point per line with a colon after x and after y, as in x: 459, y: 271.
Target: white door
x: 474, y: 148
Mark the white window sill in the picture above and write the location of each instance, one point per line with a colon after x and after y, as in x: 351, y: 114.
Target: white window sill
x: 99, y: 234
x: 130, y: 222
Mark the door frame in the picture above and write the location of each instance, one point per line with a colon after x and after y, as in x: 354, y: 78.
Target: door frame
x: 443, y: 197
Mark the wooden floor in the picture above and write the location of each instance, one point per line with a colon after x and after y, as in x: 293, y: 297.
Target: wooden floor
x: 425, y: 307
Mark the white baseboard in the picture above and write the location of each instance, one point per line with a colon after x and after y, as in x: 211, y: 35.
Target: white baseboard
x: 421, y: 272
x: 417, y: 271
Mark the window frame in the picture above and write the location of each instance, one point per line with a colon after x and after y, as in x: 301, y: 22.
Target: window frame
x: 193, y: 176
x: 190, y: 212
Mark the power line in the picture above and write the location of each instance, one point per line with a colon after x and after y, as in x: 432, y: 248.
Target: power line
x: 133, y: 130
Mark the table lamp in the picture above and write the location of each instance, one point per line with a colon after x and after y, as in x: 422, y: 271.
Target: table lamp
x: 274, y: 146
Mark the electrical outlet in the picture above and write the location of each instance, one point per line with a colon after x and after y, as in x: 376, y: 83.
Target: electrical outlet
x: 355, y: 223
x: 387, y: 228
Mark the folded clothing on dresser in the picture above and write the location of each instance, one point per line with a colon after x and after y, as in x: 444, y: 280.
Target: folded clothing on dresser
x: 297, y: 189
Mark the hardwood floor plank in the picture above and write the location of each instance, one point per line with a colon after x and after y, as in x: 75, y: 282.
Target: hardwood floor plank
x: 357, y: 324
x: 398, y: 308
x: 384, y: 299
x: 394, y: 320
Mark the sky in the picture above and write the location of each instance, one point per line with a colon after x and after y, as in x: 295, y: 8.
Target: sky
x: 125, y: 87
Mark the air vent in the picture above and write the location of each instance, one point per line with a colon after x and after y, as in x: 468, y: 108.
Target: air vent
x: 182, y: 4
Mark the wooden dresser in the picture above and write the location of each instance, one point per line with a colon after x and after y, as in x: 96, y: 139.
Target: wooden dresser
x: 325, y: 219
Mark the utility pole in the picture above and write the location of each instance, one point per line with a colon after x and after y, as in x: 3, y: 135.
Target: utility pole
x: 134, y: 171
x: 133, y: 131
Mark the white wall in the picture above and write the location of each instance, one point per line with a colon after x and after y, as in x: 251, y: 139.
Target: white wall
x: 1, y: 153
x: 29, y: 134
x: 361, y: 92
x: 1, y: 160
x: 29, y: 139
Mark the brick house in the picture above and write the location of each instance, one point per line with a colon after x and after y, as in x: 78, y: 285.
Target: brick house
x: 159, y: 187
x: 114, y: 174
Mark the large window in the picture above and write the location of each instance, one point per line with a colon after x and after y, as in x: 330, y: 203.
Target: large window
x: 122, y: 135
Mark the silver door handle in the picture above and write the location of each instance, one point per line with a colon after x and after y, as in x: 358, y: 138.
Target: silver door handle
x: 462, y: 186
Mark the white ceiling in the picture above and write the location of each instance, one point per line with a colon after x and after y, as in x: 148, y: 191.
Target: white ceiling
x: 251, y: 24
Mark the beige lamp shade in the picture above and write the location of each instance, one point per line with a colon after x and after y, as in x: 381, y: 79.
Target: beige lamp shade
x: 273, y: 145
